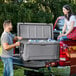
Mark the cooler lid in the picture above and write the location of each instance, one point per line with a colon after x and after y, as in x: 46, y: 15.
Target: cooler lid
x: 35, y: 30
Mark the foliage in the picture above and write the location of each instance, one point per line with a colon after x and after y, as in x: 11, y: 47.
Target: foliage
x: 36, y: 11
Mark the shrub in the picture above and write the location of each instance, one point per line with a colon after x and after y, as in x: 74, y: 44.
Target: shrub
x: 38, y: 11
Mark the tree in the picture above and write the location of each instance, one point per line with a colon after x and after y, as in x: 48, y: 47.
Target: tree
x: 36, y: 11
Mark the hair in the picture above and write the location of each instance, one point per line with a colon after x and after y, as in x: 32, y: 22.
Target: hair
x: 6, y: 22
x: 67, y: 7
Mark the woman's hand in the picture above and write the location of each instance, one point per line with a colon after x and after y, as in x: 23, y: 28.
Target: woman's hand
x: 61, y: 35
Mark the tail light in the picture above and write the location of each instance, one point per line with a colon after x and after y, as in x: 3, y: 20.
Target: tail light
x: 64, y: 54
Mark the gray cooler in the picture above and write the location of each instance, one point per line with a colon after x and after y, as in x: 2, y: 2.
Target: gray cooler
x: 37, y: 50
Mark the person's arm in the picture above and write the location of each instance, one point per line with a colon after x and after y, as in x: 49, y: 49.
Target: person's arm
x: 7, y: 47
x: 64, y: 28
x: 17, y: 38
x: 71, y: 28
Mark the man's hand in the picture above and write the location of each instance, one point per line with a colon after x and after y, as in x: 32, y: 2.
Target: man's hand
x: 17, y: 38
x: 17, y: 44
x: 20, y: 38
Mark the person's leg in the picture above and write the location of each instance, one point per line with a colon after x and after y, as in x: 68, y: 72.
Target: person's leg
x: 8, y: 66
x: 5, y: 66
x: 63, y: 38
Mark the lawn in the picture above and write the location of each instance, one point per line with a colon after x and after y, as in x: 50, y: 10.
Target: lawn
x: 0, y: 50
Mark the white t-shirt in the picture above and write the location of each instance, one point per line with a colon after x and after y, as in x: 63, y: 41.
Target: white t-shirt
x: 68, y: 23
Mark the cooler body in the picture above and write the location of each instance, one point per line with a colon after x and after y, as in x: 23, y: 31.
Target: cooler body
x: 39, y: 50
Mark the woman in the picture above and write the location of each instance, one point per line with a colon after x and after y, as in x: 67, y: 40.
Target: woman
x: 69, y: 25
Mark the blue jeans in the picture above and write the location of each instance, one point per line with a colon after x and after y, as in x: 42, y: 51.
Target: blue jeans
x: 8, y: 66
x: 63, y: 38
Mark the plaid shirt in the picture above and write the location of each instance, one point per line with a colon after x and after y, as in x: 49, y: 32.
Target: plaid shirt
x: 72, y: 35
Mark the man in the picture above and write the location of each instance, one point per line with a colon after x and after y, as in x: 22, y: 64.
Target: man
x: 7, y: 47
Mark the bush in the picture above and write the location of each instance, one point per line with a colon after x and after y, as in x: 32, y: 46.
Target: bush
x: 38, y: 11
x: 22, y: 13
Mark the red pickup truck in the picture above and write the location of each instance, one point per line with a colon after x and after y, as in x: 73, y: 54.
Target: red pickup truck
x: 67, y: 48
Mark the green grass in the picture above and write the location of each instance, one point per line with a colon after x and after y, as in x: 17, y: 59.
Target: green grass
x: 0, y: 50
x: 1, y: 68
x: 19, y: 71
